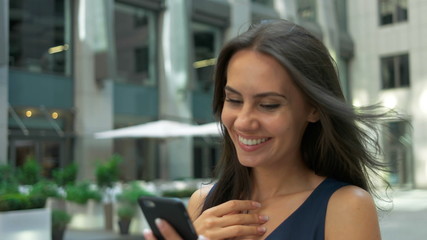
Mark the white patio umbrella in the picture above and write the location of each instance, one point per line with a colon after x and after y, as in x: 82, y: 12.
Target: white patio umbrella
x: 156, y: 129
x: 161, y: 129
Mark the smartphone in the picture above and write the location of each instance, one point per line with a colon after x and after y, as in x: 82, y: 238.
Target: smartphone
x: 171, y: 210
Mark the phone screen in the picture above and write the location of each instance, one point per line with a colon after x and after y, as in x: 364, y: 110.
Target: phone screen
x: 171, y: 210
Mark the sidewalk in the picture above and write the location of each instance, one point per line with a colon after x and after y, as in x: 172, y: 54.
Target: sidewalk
x: 72, y: 234
x: 405, y: 219
x: 408, y: 217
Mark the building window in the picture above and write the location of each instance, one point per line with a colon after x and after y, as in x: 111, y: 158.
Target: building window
x: 395, y: 71
x: 393, y: 11
x: 39, y: 36
x: 207, y: 40
x: 306, y: 10
x: 267, y: 3
x: 135, y: 36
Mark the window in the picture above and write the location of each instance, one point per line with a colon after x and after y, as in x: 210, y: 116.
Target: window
x: 39, y: 37
x: 395, y: 71
x: 135, y: 36
x: 206, y: 46
x: 307, y: 10
x: 393, y: 11
x: 268, y: 3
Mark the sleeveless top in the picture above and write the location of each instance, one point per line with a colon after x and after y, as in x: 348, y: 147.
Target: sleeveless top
x: 308, y: 221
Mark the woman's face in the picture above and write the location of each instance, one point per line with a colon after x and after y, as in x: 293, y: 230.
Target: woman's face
x: 264, y: 112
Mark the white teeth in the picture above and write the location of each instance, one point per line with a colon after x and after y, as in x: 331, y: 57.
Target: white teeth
x: 251, y: 142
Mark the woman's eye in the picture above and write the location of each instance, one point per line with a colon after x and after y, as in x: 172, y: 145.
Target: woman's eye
x: 270, y: 106
x: 233, y: 101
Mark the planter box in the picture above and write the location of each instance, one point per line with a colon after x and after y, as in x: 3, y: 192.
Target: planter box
x: 26, y: 224
x: 88, y: 216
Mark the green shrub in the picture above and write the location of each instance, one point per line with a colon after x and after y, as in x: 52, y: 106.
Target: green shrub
x: 108, y: 172
x: 126, y: 211
x: 184, y: 193
x: 45, y: 188
x: 65, y: 176
x: 30, y: 172
x: 60, y: 218
x: 19, y: 201
x: 81, y: 193
x: 132, y: 192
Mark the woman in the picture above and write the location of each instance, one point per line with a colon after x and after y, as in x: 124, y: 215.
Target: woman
x: 295, y: 156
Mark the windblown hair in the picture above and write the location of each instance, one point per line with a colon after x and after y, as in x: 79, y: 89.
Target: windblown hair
x: 343, y: 144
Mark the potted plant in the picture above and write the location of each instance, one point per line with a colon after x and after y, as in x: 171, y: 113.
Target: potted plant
x: 65, y: 176
x: 126, y: 213
x: 127, y: 208
x: 60, y: 220
x: 83, y: 202
x: 107, y: 173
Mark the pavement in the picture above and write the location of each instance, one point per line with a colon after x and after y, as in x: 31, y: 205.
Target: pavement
x: 405, y: 218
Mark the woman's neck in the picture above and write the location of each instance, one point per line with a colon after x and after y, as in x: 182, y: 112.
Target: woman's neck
x: 269, y: 183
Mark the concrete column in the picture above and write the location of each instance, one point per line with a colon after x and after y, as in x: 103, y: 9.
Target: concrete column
x: 328, y: 23
x: 174, y: 81
x: 241, y: 18
x: 93, y: 47
x: 287, y: 9
x: 4, y: 78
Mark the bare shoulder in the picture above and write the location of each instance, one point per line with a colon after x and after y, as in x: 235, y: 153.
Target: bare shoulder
x: 352, y: 214
x: 196, y: 201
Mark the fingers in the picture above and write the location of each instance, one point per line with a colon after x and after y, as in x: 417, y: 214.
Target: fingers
x: 167, y: 230
x: 148, y: 235
x: 233, y: 206
x: 227, y: 220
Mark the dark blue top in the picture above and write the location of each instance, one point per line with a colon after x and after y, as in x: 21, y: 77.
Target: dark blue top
x: 308, y: 221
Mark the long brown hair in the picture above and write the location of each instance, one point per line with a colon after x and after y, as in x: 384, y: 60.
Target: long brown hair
x: 340, y: 145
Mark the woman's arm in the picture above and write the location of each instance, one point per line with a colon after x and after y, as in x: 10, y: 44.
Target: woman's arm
x: 352, y: 215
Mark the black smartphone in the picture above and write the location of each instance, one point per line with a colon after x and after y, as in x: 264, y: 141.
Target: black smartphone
x: 171, y: 210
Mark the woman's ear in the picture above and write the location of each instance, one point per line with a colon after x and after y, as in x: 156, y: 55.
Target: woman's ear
x: 313, y: 116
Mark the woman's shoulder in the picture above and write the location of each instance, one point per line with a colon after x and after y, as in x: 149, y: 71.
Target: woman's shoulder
x: 352, y: 212
x: 197, y: 199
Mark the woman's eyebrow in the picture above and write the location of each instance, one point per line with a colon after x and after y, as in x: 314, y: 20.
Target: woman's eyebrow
x: 259, y: 95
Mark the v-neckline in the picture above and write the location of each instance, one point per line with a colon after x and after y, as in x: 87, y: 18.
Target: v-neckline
x: 298, y: 209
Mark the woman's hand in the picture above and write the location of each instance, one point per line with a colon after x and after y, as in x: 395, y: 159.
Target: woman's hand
x: 168, y: 232
x: 229, y: 220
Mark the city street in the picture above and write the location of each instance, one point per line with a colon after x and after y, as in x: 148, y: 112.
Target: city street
x: 407, y: 220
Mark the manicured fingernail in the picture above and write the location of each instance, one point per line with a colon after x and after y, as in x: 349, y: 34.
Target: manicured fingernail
x: 159, y: 222
x: 263, y: 218
x: 147, y: 233
x: 201, y: 237
x: 262, y: 229
x: 256, y: 204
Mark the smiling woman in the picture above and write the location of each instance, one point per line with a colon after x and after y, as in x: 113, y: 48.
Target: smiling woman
x: 295, y: 155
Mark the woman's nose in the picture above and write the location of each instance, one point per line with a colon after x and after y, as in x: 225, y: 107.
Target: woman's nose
x: 246, y: 120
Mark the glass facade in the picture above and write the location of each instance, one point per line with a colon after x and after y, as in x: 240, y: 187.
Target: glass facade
x: 398, y: 153
x: 306, y: 10
x: 135, y: 44
x: 207, y: 40
x: 40, y: 39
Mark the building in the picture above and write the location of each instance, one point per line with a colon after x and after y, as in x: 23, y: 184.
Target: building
x: 69, y: 69
x: 389, y: 67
